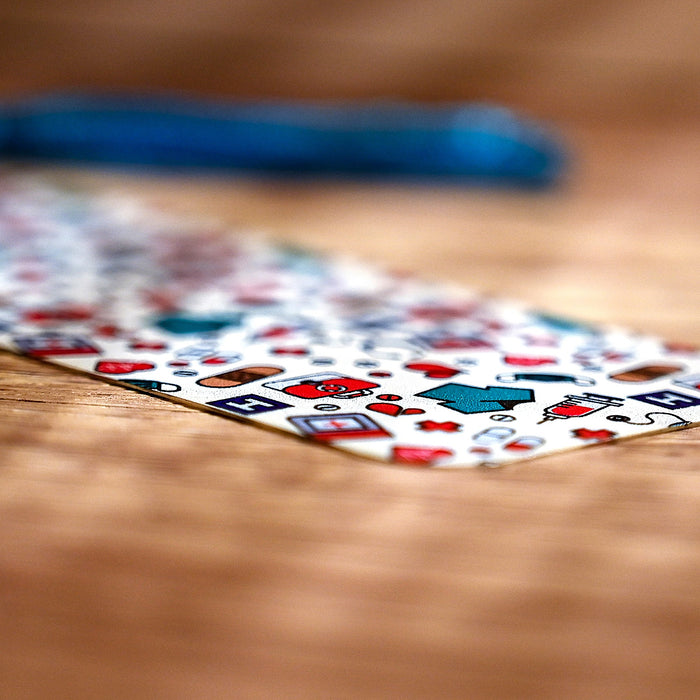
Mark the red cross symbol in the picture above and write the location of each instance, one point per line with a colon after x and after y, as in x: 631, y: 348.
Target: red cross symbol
x: 340, y: 424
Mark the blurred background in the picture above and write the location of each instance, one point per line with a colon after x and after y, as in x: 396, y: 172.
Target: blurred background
x: 620, y: 82
x: 628, y: 62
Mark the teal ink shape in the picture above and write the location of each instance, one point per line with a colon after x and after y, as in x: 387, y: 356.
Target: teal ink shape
x: 474, y: 399
x: 182, y: 325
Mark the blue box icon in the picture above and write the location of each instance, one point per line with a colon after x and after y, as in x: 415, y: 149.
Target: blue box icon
x: 668, y: 399
x: 248, y: 405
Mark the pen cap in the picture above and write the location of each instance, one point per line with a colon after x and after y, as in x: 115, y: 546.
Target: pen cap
x: 505, y: 144
x: 469, y: 142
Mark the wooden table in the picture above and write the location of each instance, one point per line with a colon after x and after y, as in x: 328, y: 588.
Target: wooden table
x: 150, y: 550
x: 153, y: 551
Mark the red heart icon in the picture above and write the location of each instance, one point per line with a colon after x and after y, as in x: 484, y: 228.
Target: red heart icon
x: 407, y: 454
x: 433, y: 370
x: 390, y: 409
x: 122, y: 366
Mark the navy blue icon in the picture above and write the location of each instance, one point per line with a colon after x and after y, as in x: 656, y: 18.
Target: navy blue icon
x: 668, y: 399
x: 52, y: 344
x: 474, y: 399
x: 248, y: 405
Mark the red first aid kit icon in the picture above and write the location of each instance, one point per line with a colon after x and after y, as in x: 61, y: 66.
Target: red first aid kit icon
x: 322, y: 385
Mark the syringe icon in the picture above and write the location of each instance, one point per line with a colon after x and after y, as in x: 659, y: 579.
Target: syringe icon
x: 578, y: 406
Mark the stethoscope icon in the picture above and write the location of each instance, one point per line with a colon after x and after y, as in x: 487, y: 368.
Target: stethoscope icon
x: 542, y: 377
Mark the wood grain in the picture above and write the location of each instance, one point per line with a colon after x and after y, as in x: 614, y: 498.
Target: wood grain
x: 153, y: 551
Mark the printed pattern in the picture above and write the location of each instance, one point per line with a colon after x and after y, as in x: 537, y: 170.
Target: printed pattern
x: 378, y: 364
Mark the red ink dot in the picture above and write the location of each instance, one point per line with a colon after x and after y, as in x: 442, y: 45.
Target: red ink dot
x: 518, y: 447
x: 289, y: 351
x: 107, y: 331
x: 523, y: 444
x: 147, y: 345
x: 380, y: 373
x: 389, y: 397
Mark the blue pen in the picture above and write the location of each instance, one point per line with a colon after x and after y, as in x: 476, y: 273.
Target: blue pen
x: 475, y: 143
